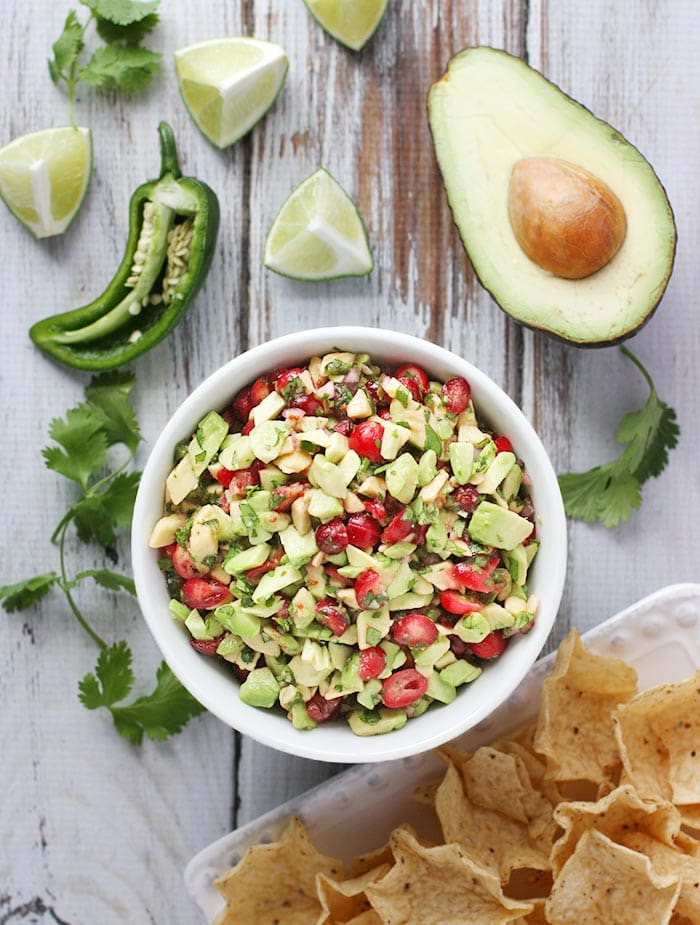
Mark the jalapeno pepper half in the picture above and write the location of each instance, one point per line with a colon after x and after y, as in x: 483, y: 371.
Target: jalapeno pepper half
x: 173, y: 222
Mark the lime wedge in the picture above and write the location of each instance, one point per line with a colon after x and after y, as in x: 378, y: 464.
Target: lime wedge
x: 318, y: 233
x: 350, y: 22
x: 229, y: 84
x: 44, y: 177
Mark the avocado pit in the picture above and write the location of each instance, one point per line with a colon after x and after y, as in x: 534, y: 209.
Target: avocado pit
x: 565, y: 219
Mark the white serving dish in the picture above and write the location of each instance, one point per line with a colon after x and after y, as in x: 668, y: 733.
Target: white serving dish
x: 210, y: 682
x: 354, y: 812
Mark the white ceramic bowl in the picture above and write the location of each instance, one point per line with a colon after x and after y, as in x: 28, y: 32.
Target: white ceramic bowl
x: 213, y: 685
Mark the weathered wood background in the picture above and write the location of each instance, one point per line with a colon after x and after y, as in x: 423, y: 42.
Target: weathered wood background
x: 91, y: 828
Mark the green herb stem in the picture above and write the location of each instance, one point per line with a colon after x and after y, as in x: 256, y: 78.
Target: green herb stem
x: 69, y: 597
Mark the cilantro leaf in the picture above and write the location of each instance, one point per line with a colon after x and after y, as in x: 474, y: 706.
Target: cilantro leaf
x: 107, y: 579
x: 109, y: 393
x: 122, y: 67
x: 66, y: 48
x: 114, y: 678
x: 93, y: 522
x: 27, y: 592
x: 129, y: 35
x: 609, y: 493
x: 83, y: 441
x: 121, y: 12
x: 119, y: 498
x: 159, y: 714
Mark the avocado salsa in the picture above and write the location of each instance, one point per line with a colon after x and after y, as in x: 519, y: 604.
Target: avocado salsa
x: 351, y: 541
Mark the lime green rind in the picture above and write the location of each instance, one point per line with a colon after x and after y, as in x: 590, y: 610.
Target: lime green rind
x: 339, y: 38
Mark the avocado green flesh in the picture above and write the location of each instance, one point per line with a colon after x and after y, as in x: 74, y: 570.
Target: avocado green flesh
x: 489, y: 111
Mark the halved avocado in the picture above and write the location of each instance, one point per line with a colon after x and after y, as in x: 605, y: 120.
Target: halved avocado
x: 488, y: 113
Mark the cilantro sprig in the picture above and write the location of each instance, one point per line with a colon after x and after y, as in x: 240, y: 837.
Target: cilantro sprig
x: 82, y: 441
x: 609, y: 493
x: 120, y: 64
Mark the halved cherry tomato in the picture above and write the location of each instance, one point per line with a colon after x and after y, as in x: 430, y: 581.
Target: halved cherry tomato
x: 363, y: 530
x: 345, y: 427
x: 259, y: 390
x: 372, y: 662
x: 403, y: 687
x: 456, y: 603
x: 207, y: 646
x: 168, y: 550
x: 287, y: 383
x: 399, y: 528
x: 309, y: 404
x: 366, y: 439
x: 332, y: 537
x: 475, y: 577
x: 321, y: 710
x: 415, y: 629
x: 456, y: 393
x: 491, y: 646
x: 415, y: 374
x: 369, y: 591
x: 376, y: 509
x: 205, y: 593
x: 331, y: 616
x: 183, y: 563
x: 243, y: 404
x: 503, y: 445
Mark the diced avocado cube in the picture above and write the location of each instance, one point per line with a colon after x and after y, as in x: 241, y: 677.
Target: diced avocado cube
x: 327, y: 476
x: 239, y: 562
x: 376, y: 722
x: 472, y: 628
x: 462, y: 461
x: 511, y: 483
x: 410, y: 601
x: 371, y: 694
x: 395, y: 657
x: 400, y: 550
x: 427, y: 467
x: 301, y: 608
x: 361, y: 558
x: 497, y: 617
x: 339, y: 654
x: 266, y: 440
x: 531, y: 551
x: 440, y: 690
x: 210, y: 434
x: 178, y: 610
x: 337, y: 447
x: 372, y: 627
x: 181, y: 481
x: 426, y: 658
x: 420, y: 706
x: 230, y: 647
x: 459, y: 672
x: 394, y: 437
x: 289, y: 644
x: 238, y: 622
x: 299, y: 549
x: 268, y: 409
x: 496, y: 473
x: 403, y: 581
x: 203, y: 628
x: 312, y: 665
x: 337, y: 365
x: 300, y: 716
x: 492, y: 525
x: 349, y: 466
x: 485, y: 458
x: 274, y: 521
x: 323, y: 505
x: 516, y: 562
x: 436, y: 537
x: 316, y: 581
x: 271, y: 477
x: 350, y: 674
x: 260, y: 501
x: 236, y: 452
x: 274, y: 581
x: 279, y: 667
x: 260, y: 688
x: 402, y: 478
x: 266, y: 609
x: 359, y: 405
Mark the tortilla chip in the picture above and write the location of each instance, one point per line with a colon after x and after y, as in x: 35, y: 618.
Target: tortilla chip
x: 425, y: 793
x: 343, y: 900
x: 369, y: 917
x: 439, y: 886
x: 496, y: 842
x: 621, y: 812
x: 574, y: 728
x: 366, y: 862
x: 529, y: 884
x: 603, y: 882
x: 668, y: 861
x: 659, y: 739
x: 291, y: 865
x: 536, y: 917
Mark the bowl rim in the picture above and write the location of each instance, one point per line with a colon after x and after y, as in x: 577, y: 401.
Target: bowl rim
x: 199, y: 676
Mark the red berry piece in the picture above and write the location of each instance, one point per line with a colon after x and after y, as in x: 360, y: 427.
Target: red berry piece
x: 247, y: 427
x: 321, y: 710
x: 399, y: 528
x: 287, y: 383
x: 285, y: 495
x: 503, y: 445
x: 259, y: 390
x: 491, y: 646
x: 207, y: 646
x: 376, y: 509
x: 363, y: 531
x: 467, y: 498
x: 369, y: 591
x: 344, y: 427
x: 474, y: 576
x: 372, y: 662
x: 309, y: 404
x: 456, y: 393
x: 458, y: 604
x: 366, y: 440
x: 332, y: 537
x: 410, y: 373
x: 243, y: 404
x: 403, y: 687
x: 205, y: 593
x: 414, y: 629
x: 183, y: 563
x: 331, y: 616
